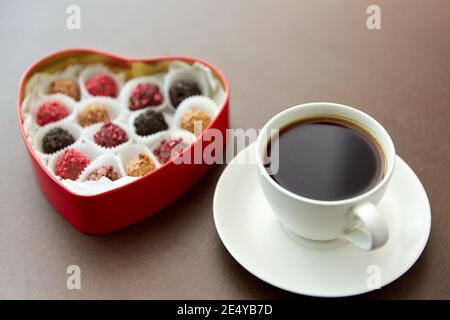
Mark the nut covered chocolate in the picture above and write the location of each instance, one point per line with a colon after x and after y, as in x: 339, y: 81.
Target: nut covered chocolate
x: 140, y: 166
x: 92, y: 113
x: 69, y: 87
x: 195, y: 117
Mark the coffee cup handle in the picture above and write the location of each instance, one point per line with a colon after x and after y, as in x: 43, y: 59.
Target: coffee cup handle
x: 372, y: 231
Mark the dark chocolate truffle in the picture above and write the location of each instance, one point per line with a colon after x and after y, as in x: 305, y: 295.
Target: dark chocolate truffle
x: 110, y: 135
x: 150, y: 122
x: 182, y: 89
x: 56, y: 139
x: 145, y: 95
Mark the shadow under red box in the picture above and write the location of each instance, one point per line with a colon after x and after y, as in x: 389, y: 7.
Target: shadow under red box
x: 125, y: 205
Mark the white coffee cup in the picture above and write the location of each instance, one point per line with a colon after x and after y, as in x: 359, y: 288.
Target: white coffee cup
x: 356, y: 219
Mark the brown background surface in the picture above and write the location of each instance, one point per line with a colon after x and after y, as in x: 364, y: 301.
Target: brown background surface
x: 275, y: 54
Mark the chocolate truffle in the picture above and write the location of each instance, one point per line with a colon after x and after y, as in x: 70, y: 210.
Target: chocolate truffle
x: 102, y: 85
x: 56, y: 139
x: 193, y: 116
x: 168, y: 149
x: 69, y: 87
x: 140, y: 166
x: 150, y: 122
x: 92, y: 113
x: 182, y: 89
x: 70, y: 164
x: 110, y: 135
x: 105, y: 171
x: 51, y: 111
x: 145, y: 95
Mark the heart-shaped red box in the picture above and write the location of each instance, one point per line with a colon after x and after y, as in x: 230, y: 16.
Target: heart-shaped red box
x: 120, y: 207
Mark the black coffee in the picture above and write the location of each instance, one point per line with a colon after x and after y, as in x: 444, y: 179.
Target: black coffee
x: 326, y: 159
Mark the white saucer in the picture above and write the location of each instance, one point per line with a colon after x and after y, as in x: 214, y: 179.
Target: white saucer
x: 252, y: 234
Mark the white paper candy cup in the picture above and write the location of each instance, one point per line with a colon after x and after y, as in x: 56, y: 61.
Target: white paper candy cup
x: 103, y: 160
x: 36, y: 82
x: 67, y: 101
x: 213, y: 83
x: 168, y: 117
x: 93, y: 69
x: 114, y: 110
x: 86, y: 149
x: 25, y: 106
x: 96, y: 187
x: 178, y: 64
x: 201, y: 103
x: 125, y: 93
x: 29, y: 127
x: 185, y: 136
x: 132, y: 152
x: 191, y: 74
x: 90, y: 131
x: 73, y: 129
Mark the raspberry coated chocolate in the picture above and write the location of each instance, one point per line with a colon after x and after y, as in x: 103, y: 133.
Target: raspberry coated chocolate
x: 70, y: 164
x: 145, y: 95
x: 168, y: 149
x: 110, y: 135
x: 102, y: 85
x: 51, y: 111
x: 105, y: 171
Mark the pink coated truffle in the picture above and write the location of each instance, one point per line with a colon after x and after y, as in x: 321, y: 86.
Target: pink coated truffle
x: 145, y: 95
x: 101, y: 85
x: 110, y: 135
x: 70, y: 164
x: 105, y: 171
x: 51, y: 111
x: 169, y: 148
